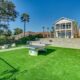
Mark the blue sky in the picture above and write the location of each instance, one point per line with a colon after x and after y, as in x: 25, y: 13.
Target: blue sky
x: 45, y: 12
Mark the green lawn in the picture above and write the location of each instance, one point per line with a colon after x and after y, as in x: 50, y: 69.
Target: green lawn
x: 56, y: 64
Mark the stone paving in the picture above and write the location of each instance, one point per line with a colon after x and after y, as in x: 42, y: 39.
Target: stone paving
x: 59, y: 42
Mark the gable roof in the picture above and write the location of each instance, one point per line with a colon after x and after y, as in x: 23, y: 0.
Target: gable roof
x: 64, y: 20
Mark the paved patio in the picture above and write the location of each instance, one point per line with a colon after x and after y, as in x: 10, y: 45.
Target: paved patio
x: 59, y: 42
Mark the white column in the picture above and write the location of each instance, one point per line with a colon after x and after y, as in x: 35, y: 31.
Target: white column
x: 55, y: 31
x: 56, y: 34
x: 65, y: 31
x: 72, y: 30
x: 60, y: 30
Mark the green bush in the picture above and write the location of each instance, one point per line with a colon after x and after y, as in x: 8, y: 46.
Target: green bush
x: 28, y: 38
x: 4, y: 40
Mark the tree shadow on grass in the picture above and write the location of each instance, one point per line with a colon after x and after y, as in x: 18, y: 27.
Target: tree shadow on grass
x: 7, y: 63
x: 46, y: 51
x: 8, y: 74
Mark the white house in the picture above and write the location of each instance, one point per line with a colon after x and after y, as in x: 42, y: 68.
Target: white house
x: 65, y: 28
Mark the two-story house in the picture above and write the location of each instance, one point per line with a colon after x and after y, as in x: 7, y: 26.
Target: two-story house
x: 65, y: 28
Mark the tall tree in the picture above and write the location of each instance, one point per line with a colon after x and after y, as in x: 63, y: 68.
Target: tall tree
x: 7, y: 11
x: 3, y: 29
x: 8, y: 33
x: 25, y: 18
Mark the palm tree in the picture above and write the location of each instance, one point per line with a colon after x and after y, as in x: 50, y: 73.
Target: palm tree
x: 52, y: 31
x: 43, y: 30
x: 25, y: 19
x: 48, y: 31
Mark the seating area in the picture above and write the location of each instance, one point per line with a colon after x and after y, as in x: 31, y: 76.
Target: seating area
x: 6, y: 46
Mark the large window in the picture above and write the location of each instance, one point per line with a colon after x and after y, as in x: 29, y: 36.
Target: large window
x: 57, y: 26
x: 68, y: 25
x: 61, y: 34
x: 68, y: 34
x: 63, y: 26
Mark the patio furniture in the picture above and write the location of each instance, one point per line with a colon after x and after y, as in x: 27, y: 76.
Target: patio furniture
x: 13, y: 45
x: 5, y: 46
x: 34, y: 49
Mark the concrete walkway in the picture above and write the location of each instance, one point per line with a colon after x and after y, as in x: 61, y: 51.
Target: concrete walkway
x: 4, y: 50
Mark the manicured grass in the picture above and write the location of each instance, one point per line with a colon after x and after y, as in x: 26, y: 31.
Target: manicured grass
x: 56, y: 64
